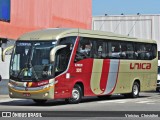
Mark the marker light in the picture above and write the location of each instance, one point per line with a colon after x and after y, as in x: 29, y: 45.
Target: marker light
x: 67, y: 75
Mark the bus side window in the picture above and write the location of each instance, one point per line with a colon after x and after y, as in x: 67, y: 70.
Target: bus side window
x: 154, y: 51
x: 145, y: 51
x: 84, y: 49
x: 130, y: 51
x: 123, y: 53
x: 99, y: 49
x: 140, y: 51
x: 149, y: 54
x: 98, y: 45
x: 114, y: 50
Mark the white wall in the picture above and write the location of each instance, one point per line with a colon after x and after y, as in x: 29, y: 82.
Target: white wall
x: 139, y: 26
x: 4, y: 67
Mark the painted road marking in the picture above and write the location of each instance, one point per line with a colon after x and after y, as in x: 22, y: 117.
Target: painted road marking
x: 115, y: 101
x: 10, y: 100
x: 143, y: 101
x: 139, y: 101
x: 150, y: 103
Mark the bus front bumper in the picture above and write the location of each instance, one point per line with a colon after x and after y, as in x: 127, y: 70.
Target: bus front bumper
x: 44, y: 92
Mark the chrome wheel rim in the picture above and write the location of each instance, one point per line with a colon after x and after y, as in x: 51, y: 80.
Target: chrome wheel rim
x: 135, y: 90
x: 75, y: 94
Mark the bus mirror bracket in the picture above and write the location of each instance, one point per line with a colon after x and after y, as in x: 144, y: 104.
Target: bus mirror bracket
x: 4, y: 52
x: 53, y: 52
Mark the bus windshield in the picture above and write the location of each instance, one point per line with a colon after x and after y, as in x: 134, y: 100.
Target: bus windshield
x: 31, y: 61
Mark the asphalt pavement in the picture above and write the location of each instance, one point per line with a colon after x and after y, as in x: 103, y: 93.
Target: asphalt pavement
x: 91, y: 108
x: 4, y: 87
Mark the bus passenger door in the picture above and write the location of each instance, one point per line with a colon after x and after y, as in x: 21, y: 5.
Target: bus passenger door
x: 61, y: 67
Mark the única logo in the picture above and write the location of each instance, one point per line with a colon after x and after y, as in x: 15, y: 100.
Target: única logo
x: 138, y: 66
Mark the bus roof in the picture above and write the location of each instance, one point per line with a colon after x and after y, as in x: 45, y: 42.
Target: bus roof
x: 57, y: 33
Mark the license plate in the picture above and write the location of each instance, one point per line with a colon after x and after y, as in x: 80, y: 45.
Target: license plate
x: 26, y: 94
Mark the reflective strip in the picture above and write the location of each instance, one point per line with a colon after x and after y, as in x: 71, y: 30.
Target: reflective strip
x: 96, y: 76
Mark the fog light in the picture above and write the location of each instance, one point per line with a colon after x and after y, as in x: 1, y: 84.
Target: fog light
x: 11, y: 93
x: 46, y: 94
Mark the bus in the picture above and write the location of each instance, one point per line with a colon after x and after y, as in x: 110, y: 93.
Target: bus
x: 61, y: 63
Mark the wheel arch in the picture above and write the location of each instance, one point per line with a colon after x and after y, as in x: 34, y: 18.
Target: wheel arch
x: 80, y: 83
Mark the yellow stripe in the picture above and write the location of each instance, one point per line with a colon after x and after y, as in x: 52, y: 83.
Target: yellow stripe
x: 96, y: 76
x: 32, y: 92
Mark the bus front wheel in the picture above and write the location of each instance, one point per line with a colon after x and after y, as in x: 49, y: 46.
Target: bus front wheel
x: 76, y: 95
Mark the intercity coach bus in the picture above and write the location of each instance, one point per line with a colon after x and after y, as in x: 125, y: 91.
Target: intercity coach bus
x: 72, y: 63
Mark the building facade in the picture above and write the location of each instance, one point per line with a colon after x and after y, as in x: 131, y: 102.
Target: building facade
x: 139, y: 26
x: 20, y: 16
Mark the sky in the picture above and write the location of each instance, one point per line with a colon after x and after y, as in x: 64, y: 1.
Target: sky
x: 127, y: 7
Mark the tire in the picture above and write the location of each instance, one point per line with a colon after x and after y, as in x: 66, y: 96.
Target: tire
x: 157, y: 89
x: 76, y: 95
x: 135, y: 91
x: 39, y: 101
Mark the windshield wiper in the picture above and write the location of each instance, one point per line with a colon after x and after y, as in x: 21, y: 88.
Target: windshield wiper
x: 30, y: 63
x: 34, y: 72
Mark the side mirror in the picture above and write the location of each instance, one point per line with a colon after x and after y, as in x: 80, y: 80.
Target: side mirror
x: 54, y: 50
x: 4, y: 52
x: 0, y: 78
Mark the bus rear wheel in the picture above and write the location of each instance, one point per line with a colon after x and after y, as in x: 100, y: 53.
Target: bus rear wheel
x: 76, y: 95
x: 39, y: 101
x: 157, y: 89
x: 135, y: 91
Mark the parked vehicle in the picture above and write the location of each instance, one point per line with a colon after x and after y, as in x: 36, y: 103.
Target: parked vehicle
x: 0, y: 77
x: 158, y: 77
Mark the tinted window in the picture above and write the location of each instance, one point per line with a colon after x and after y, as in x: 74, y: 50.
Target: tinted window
x: 154, y: 51
x: 100, y: 49
x: 145, y: 51
x: 114, y: 49
x: 84, y: 49
x: 103, y: 49
x: 63, y: 55
x: 158, y: 55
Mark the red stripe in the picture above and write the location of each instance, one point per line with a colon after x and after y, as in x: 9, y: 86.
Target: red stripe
x: 104, y: 75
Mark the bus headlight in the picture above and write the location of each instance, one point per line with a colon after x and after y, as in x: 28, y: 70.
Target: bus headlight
x: 46, y: 94
x: 10, y: 85
x: 11, y: 93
